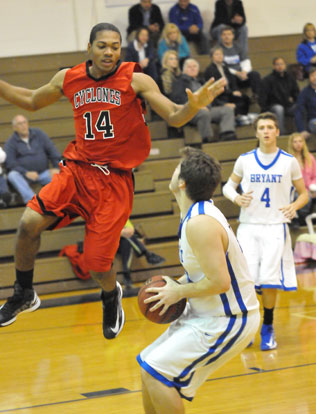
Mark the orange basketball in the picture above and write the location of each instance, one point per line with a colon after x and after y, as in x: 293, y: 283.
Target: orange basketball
x: 172, y: 313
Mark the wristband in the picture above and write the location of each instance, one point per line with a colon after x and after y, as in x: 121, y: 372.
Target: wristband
x: 229, y: 190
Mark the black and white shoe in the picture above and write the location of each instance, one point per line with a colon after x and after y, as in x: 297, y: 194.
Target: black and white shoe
x: 23, y: 300
x: 113, y: 313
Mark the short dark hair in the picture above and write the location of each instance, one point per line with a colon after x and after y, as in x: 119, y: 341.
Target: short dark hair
x: 215, y: 49
x: 100, y: 27
x: 227, y: 27
x: 266, y: 115
x: 201, y: 173
x: 278, y: 58
x: 311, y: 70
x: 139, y: 30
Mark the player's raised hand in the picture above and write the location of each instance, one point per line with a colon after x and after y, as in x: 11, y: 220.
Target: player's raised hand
x: 206, y: 93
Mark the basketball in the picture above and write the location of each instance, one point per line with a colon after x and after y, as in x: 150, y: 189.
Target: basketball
x: 172, y: 313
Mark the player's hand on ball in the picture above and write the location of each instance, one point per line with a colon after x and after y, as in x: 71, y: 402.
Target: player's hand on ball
x: 165, y: 296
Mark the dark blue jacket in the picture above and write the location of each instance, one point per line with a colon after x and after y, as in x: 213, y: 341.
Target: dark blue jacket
x: 34, y: 156
x: 306, y: 108
x: 304, y: 52
x: 184, y: 18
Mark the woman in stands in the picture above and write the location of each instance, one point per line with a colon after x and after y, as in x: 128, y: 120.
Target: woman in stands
x: 170, y: 70
x: 140, y: 50
x: 297, y: 146
x: 306, y: 50
x: 172, y: 39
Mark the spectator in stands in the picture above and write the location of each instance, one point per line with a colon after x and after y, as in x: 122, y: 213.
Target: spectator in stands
x: 297, y: 147
x: 305, y: 112
x: 231, y: 13
x: 141, y: 50
x: 224, y: 115
x: 147, y: 14
x: 130, y: 243
x: 279, y: 92
x: 238, y: 63
x: 306, y: 50
x: 172, y: 39
x: 232, y: 96
x: 29, y: 151
x: 5, y: 195
x: 170, y: 70
x: 188, y: 18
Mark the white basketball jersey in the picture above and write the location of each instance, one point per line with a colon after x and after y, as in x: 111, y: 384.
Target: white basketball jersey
x: 271, y: 186
x: 241, y: 296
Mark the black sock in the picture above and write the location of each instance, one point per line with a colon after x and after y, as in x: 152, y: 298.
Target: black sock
x: 268, y: 316
x: 110, y: 294
x: 25, y: 279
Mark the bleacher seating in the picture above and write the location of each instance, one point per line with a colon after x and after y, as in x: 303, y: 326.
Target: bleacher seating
x: 155, y: 213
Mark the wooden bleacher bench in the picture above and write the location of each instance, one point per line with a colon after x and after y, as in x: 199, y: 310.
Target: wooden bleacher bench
x: 54, y: 274
x: 145, y: 203
x: 60, y: 109
x: 59, y: 127
x: 30, y: 80
x: 155, y: 212
x: 164, y: 149
x: 35, y: 63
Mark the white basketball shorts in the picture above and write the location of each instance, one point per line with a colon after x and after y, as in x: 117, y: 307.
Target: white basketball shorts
x: 269, y: 255
x: 187, y: 353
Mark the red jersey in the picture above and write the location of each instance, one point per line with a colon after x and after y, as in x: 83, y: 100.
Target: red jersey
x: 109, y: 119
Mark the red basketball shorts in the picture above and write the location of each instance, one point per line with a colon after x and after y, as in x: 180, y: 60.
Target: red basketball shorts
x: 103, y: 201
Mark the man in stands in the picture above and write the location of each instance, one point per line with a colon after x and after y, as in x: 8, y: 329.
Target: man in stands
x: 239, y: 63
x: 224, y: 115
x: 188, y: 18
x: 145, y: 14
x: 29, y: 151
x: 305, y: 113
x: 279, y: 92
x: 231, y: 13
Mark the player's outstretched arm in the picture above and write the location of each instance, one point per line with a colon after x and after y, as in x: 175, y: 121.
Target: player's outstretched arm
x: 176, y: 115
x: 34, y: 99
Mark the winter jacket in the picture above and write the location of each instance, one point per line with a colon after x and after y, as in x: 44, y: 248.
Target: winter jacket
x: 278, y: 89
x: 221, y: 14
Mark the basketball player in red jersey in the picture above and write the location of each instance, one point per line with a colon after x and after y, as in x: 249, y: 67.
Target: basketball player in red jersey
x: 95, y: 181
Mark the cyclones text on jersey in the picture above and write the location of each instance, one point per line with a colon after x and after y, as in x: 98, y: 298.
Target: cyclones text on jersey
x: 99, y: 94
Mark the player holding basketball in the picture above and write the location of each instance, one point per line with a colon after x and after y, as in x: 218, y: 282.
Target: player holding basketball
x: 95, y: 181
x: 222, y: 312
x: 266, y: 176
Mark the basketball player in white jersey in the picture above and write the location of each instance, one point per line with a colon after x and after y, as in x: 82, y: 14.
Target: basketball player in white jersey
x: 221, y: 315
x: 266, y: 177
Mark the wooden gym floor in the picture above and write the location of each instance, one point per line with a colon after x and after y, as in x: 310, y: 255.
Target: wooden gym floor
x: 55, y: 360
